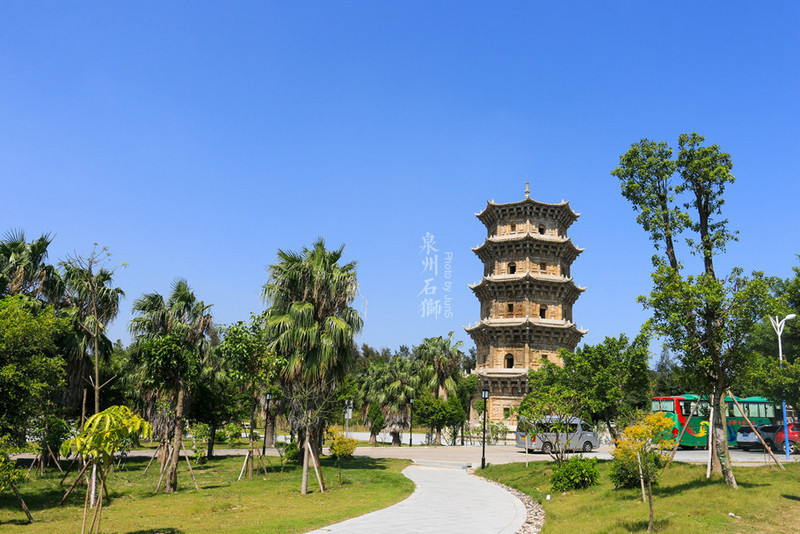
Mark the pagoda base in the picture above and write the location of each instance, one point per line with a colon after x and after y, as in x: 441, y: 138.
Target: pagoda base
x: 507, y: 388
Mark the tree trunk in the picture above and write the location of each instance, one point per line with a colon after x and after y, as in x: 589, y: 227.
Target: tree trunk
x: 211, y: 440
x: 304, y: 479
x: 438, y: 436
x: 720, y: 459
x: 253, y: 418
x: 96, y: 373
x: 93, y: 486
x: 373, y: 438
x: 269, y: 429
x: 172, y: 475
x: 650, y: 500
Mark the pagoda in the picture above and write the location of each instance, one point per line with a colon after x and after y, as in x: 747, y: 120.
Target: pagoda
x: 526, y: 297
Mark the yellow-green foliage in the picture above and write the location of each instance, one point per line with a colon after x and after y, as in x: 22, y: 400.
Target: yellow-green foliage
x: 340, y: 446
x: 638, y: 449
x: 105, y: 432
x: 644, y: 437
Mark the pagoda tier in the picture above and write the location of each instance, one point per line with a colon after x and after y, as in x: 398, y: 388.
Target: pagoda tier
x: 528, y: 209
x: 508, y: 287
x: 527, y: 245
x: 545, y: 333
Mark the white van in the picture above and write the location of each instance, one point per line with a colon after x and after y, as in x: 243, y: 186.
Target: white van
x: 578, y: 437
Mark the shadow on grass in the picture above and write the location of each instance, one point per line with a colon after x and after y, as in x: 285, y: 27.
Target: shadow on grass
x: 157, y: 531
x: 358, y: 462
x: 791, y: 497
x: 641, y: 526
x: 36, y: 500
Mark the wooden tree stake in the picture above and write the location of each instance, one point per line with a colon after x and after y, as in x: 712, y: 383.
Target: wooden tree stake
x: 766, y: 447
x: 22, y: 503
x: 191, y: 472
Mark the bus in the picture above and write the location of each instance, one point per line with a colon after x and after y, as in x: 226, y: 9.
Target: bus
x: 759, y: 410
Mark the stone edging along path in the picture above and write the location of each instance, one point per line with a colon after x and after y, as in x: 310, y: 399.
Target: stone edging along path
x: 535, y: 518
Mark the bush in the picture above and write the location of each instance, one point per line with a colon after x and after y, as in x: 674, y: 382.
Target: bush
x: 291, y: 452
x: 625, y: 471
x: 233, y: 431
x: 340, y: 446
x: 576, y: 473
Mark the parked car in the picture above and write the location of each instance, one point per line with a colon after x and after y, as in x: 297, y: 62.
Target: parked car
x: 544, y: 437
x: 768, y: 434
x: 746, y: 439
x: 794, y: 437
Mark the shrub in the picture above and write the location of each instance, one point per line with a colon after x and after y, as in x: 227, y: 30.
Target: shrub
x: 625, y: 470
x: 340, y: 446
x: 233, y: 431
x: 576, y: 473
x: 292, y: 452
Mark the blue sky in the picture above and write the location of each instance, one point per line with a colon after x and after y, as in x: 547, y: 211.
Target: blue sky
x: 194, y: 139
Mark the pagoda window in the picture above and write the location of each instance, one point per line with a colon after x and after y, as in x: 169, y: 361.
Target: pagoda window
x: 513, y: 227
x: 506, y: 413
x: 544, y: 358
x: 511, y: 309
x: 543, y: 266
x: 543, y: 312
x: 509, y: 362
x: 512, y: 268
x: 541, y: 229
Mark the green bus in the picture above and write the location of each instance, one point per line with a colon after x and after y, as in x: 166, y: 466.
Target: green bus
x: 760, y: 411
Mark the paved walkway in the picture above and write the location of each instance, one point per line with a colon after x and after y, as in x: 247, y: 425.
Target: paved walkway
x: 446, y: 500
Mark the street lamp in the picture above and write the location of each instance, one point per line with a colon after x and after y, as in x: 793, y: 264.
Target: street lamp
x: 268, y: 396
x: 778, y: 326
x: 411, y: 422
x: 485, y: 397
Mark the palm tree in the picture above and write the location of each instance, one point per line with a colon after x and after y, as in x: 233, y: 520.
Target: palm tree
x: 23, y: 269
x: 173, y: 338
x: 93, y: 304
x: 310, y: 323
x: 394, y: 388
x: 444, y: 357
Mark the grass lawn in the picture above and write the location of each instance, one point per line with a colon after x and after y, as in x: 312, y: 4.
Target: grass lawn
x: 767, y: 501
x: 262, y: 504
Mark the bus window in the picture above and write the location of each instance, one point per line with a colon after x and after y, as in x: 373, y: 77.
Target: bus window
x: 770, y: 411
x: 686, y: 408
x: 703, y: 409
x: 733, y: 410
x: 663, y: 406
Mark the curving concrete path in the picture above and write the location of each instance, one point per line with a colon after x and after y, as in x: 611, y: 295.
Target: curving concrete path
x: 446, y: 500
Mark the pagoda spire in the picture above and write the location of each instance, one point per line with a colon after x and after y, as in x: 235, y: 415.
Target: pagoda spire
x: 527, y: 190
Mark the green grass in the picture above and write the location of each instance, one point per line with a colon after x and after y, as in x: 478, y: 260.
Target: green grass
x: 767, y: 501
x: 262, y: 504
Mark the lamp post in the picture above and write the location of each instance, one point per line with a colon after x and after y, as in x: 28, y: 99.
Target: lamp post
x: 411, y: 422
x: 268, y: 396
x: 485, y: 397
x: 778, y: 326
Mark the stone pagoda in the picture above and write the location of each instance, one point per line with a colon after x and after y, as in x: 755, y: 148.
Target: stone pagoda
x: 526, y: 297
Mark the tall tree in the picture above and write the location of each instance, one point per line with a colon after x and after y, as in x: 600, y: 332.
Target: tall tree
x: 173, y: 338
x: 612, y: 377
x: 31, y: 364
x: 704, y: 318
x: 311, y: 323
x: 393, y: 389
x: 252, y: 366
x: 94, y: 304
x: 23, y: 270
x: 444, y: 357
